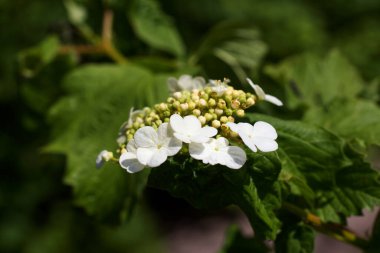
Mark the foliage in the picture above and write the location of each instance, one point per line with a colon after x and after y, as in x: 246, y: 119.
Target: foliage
x: 69, y: 79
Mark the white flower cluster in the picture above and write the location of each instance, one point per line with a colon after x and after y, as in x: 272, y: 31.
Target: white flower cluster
x: 151, y: 135
x: 151, y: 148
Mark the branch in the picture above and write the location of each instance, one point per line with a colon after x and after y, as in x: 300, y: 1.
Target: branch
x: 334, y: 230
x: 104, y: 46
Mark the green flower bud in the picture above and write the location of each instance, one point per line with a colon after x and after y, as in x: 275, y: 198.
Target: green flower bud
x: 202, y: 103
x: 228, y: 112
x: 166, y: 120
x: 224, y: 119
x: 211, y: 110
x: 166, y: 113
x: 215, y: 123
x: 163, y: 106
x: 170, y: 100
x: 231, y: 119
x: 240, y: 113
x: 235, y: 104
x: 184, y: 107
x: 221, y: 104
x: 176, y: 105
x: 208, y: 116
x: 219, y: 112
x: 192, y: 105
x: 250, y: 101
x: 202, y: 119
x: 177, y: 95
x: 196, y: 112
x: 211, y: 102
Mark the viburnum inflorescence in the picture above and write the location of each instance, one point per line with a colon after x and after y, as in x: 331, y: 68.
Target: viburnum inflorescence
x: 193, y: 115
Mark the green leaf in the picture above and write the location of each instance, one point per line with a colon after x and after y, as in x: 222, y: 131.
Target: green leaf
x: 335, y: 170
x: 236, y: 242
x: 310, y: 80
x: 34, y: 59
x: 238, y: 45
x: 354, y: 118
x: 87, y: 121
x: 295, y: 238
x: 253, y: 188
x: 154, y: 27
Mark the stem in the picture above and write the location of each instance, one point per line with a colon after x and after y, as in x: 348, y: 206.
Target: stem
x: 334, y: 230
x: 102, y: 45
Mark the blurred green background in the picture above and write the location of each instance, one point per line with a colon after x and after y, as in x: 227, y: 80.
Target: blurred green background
x: 274, y: 41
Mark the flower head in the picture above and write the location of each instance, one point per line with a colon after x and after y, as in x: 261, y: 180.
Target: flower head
x: 217, y: 151
x: 189, y: 129
x: 186, y: 82
x: 262, y: 96
x: 153, y: 147
x: 260, y: 136
x: 128, y: 159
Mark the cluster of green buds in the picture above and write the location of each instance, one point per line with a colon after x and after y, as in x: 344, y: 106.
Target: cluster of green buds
x: 215, y: 104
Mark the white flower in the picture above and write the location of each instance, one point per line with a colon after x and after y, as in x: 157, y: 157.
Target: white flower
x: 128, y: 160
x: 186, y: 82
x: 217, y: 151
x: 154, y: 147
x: 218, y: 86
x: 103, y: 156
x: 260, y: 136
x: 189, y: 129
x: 262, y: 96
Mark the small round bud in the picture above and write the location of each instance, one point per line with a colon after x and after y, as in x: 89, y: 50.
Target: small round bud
x: 235, y: 93
x: 215, y: 123
x: 166, y: 113
x: 233, y: 134
x: 136, y: 124
x: 202, y: 103
x: 192, y: 105
x: 130, y: 137
x: 184, y: 107
x: 235, y: 104
x: 177, y: 95
x: 211, y: 110
x: 166, y: 120
x: 158, y: 122
x: 195, y: 97
x: 170, y: 100
x: 202, y: 119
x: 163, y: 107
x: 211, y: 102
x: 219, y: 112
x: 176, y: 104
x: 231, y: 119
x: 250, y: 101
x: 224, y: 119
x: 228, y: 112
x: 208, y: 116
x: 240, y: 113
x: 221, y: 104
x: 224, y: 127
x: 196, y: 112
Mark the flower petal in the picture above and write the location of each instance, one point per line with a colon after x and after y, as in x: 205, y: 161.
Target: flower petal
x: 221, y: 142
x: 173, y: 146
x: 129, y: 162
x: 235, y: 157
x: 273, y: 100
x: 198, y: 150
x: 183, y: 137
x: 264, y: 129
x: 164, y: 131
x: 177, y: 123
x: 144, y: 155
x: 192, y: 124
x: 258, y: 90
x: 204, y: 134
x: 233, y: 126
x: 248, y: 141
x: 265, y: 144
x: 158, y: 158
x: 131, y: 146
x: 146, y: 137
